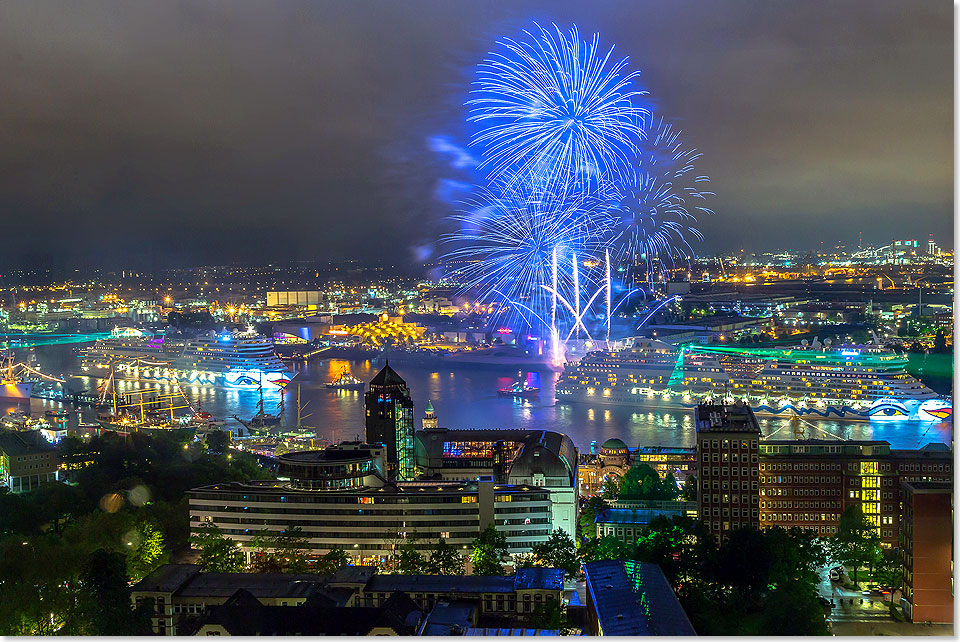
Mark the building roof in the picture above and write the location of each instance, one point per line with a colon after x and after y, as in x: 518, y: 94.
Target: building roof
x: 387, y: 377
x: 524, y: 579
x: 613, y: 444
x: 512, y: 632
x: 450, y: 618
x: 633, y: 517
x: 737, y: 417
x: 928, y: 486
x: 14, y: 443
x: 634, y: 598
x: 167, y: 579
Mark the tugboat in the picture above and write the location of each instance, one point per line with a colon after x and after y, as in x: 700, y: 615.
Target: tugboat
x: 346, y: 381
x: 519, y: 390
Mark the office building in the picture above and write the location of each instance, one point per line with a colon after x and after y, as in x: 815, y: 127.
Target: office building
x: 389, y: 421
x: 340, y: 498
x: 728, y: 444
x: 536, y: 458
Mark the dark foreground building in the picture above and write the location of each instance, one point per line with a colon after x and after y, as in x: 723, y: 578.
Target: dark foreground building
x: 389, y: 421
x: 632, y: 598
x: 926, y: 544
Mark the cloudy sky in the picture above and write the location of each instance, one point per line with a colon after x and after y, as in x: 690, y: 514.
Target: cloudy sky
x: 164, y: 133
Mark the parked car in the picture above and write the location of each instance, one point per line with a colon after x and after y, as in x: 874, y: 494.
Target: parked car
x: 834, y: 575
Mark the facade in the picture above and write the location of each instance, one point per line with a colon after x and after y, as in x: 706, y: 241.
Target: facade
x: 809, y: 483
x: 626, y: 524
x: 681, y: 462
x: 632, y: 598
x: 728, y: 446
x: 535, y: 458
x: 180, y: 591
x: 389, y: 421
x: 926, y: 544
x: 612, y: 462
x: 27, y: 460
x: 341, y: 500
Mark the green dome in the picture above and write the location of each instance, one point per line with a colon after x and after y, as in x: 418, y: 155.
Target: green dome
x: 613, y: 444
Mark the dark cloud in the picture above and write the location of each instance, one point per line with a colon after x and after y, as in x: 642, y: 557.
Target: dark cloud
x: 186, y: 132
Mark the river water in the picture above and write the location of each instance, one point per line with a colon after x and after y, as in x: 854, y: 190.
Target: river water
x: 467, y: 398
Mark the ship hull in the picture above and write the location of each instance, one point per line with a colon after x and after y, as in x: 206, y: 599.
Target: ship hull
x: 16, y: 392
x: 886, y: 409
x: 246, y: 379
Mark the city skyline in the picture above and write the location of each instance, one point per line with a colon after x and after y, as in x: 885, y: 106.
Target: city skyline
x: 185, y: 135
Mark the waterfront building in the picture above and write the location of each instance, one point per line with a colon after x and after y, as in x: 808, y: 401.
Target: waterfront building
x: 341, y: 499
x: 632, y: 598
x: 728, y: 443
x: 27, y: 460
x: 926, y: 545
x: 389, y: 421
x: 430, y: 421
x: 810, y: 483
x: 536, y: 458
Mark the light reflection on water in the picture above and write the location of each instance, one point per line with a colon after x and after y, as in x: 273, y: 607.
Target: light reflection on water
x: 466, y: 398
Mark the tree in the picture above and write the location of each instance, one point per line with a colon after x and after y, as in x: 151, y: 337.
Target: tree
x: 551, y: 616
x: 489, y: 550
x: 749, y: 578
x: 146, y: 552
x: 856, y: 542
x: 643, y: 482
x: 218, y: 554
x: 265, y: 558
x: 410, y: 561
x: 793, y: 609
x: 294, y: 550
x: 689, y: 491
x: 888, y: 572
x: 332, y: 561
x: 605, y: 548
x: 588, y: 515
x: 104, y: 581
x: 559, y: 551
x: 218, y: 441
x: 444, y: 560
x: 610, y: 488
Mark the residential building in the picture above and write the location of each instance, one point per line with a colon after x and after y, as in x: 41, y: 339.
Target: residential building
x: 632, y: 598
x: 926, y: 545
x: 728, y: 443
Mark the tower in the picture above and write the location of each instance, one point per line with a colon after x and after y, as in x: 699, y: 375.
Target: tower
x: 389, y: 421
x: 430, y: 421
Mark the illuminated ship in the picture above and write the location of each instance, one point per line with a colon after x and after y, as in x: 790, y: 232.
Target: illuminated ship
x: 14, y: 388
x: 346, y: 381
x: 853, y: 382
x: 219, y: 359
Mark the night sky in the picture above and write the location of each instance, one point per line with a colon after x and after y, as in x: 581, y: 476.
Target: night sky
x: 162, y: 133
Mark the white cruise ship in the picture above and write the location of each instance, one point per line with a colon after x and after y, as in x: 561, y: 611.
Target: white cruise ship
x: 850, y: 382
x: 220, y: 359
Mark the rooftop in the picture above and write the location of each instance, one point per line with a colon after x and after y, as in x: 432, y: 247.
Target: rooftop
x: 737, y: 417
x: 632, y: 516
x: 634, y: 598
x: 929, y: 486
x: 23, y: 442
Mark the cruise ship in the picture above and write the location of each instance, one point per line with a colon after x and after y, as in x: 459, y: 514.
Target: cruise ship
x: 862, y: 382
x: 219, y: 359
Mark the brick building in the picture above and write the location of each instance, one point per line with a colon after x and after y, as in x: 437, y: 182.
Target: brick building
x: 809, y: 483
x: 728, y: 448
x: 926, y: 543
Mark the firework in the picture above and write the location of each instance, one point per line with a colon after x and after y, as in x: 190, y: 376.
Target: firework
x: 557, y: 108
x: 658, y: 209
x: 505, y: 248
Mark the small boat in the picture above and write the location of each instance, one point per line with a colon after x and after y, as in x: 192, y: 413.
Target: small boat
x: 345, y: 381
x: 57, y: 413
x: 519, y: 390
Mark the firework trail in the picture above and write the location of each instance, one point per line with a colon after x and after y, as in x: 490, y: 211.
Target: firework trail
x: 557, y: 108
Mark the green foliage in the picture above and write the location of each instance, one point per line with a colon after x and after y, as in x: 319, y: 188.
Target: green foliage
x: 410, y: 561
x: 643, y: 482
x: 147, y: 552
x: 445, y: 560
x: 792, y: 608
x: 218, y: 441
x: 856, y: 542
x: 489, y: 550
x: 286, y: 552
x: 551, y: 616
x: 559, y: 551
x: 605, y: 548
x: 888, y: 571
x: 332, y: 561
x: 218, y: 554
x: 588, y: 515
x: 689, y: 491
